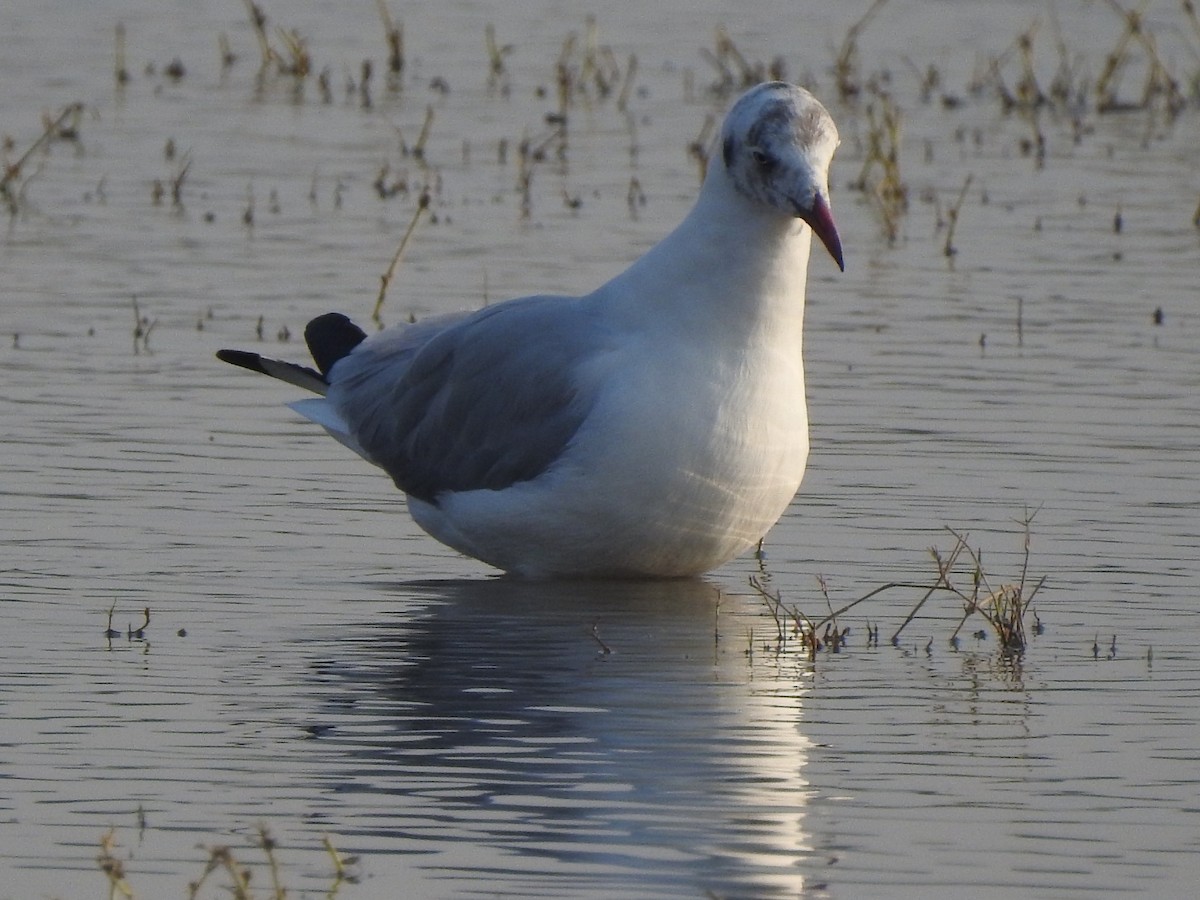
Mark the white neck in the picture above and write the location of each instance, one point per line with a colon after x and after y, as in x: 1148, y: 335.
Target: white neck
x: 730, y: 265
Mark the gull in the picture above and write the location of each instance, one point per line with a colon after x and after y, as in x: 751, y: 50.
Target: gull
x: 656, y: 427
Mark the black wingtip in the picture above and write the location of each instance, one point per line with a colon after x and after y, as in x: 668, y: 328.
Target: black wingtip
x: 244, y: 358
x: 300, y: 376
x: 330, y: 337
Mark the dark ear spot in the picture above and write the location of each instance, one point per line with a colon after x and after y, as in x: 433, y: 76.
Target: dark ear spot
x: 727, y: 150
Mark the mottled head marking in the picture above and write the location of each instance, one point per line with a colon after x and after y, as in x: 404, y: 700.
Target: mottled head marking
x: 776, y: 143
x: 774, y: 122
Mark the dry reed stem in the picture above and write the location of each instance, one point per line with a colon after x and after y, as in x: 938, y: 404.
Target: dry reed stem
x: 845, y: 67
x: 386, y: 279
x: 880, y: 174
x: 1159, y: 81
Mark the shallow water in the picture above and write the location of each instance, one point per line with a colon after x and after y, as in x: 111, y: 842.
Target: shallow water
x: 315, y: 664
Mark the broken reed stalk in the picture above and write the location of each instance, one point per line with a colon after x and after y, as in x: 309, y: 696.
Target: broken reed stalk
x: 223, y: 858
x: 591, y: 44
x: 178, y: 180
x: 727, y: 49
x: 949, y: 249
x: 1029, y: 92
x: 386, y: 279
x: 113, y: 867
x: 1189, y: 10
x: 418, y: 149
x: 631, y: 68
x: 394, y: 35
x: 496, y: 53
x: 228, y: 57
x: 1158, y: 77
x: 584, y: 69
x: 258, y: 19
x: 1062, y: 86
x: 845, y: 67
x: 802, y: 627
x: 56, y: 127
x: 299, y: 62
x: 1004, y: 607
x: 340, y: 863
x: 268, y: 845
x: 887, y: 188
x: 698, y: 148
x: 942, y: 583
x: 120, y: 72
x: 142, y: 327
x: 735, y: 70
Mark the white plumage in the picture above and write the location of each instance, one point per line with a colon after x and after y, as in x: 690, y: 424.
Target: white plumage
x: 655, y: 427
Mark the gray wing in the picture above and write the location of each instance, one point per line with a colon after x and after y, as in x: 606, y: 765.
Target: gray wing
x: 485, y: 401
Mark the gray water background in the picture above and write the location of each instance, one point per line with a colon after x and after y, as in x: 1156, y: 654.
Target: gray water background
x: 315, y: 664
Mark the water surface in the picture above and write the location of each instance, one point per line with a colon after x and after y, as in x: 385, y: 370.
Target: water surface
x: 315, y: 664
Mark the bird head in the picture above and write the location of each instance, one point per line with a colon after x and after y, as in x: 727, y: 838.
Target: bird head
x: 776, y: 143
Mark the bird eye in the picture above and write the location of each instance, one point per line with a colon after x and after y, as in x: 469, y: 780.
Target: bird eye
x: 762, y: 159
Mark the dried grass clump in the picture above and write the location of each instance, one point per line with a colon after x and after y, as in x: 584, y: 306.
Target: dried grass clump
x: 1004, y: 606
x: 880, y: 177
x: 223, y: 861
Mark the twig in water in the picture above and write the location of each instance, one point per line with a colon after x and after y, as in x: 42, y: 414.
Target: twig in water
x: 604, y: 648
x: 140, y: 631
x: 941, y: 584
x: 109, y: 631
